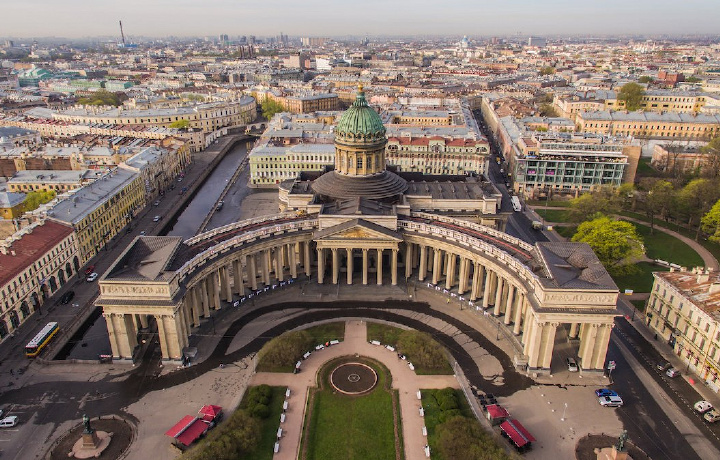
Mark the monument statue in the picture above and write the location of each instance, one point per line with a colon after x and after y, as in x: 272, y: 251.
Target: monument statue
x: 620, y: 446
x: 86, y: 422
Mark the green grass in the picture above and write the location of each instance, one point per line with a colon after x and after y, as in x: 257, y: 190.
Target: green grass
x: 352, y: 427
x: 282, y: 359
x: 390, y: 335
x: 556, y: 204
x: 640, y: 282
x: 645, y: 170
x: 327, y: 332
x: 566, y: 232
x: 666, y: 247
x: 638, y: 304
x: 554, y: 215
x: 264, y: 449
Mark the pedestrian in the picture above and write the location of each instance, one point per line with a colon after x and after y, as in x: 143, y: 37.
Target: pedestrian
x: 12, y: 372
x: 448, y: 300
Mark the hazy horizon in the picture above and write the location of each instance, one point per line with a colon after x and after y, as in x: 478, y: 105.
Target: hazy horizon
x: 75, y: 19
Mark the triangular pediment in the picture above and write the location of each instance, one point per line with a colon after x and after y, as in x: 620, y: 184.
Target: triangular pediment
x: 357, y: 229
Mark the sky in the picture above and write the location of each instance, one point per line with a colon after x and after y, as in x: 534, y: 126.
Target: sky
x: 326, y: 18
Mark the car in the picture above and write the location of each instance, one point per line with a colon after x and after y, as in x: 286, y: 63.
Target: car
x: 219, y: 205
x: 712, y: 416
x: 702, y: 406
x: 156, y: 203
x: 605, y: 392
x: 92, y: 277
x: 89, y: 269
x: 572, y: 364
x: 672, y: 372
x: 142, y: 233
x: 9, y: 421
x: 663, y: 366
x: 67, y: 297
x: 610, y: 401
x: 157, y: 218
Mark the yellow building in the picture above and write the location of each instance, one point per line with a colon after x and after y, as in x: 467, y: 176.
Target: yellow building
x: 669, y: 125
x: 11, y: 205
x: 684, y: 309
x: 100, y: 210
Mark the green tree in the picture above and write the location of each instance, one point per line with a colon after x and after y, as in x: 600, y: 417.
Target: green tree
x: 711, y: 222
x: 696, y: 199
x: 462, y: 437
x: 547, y: 70
x: 711, y: 152
x: 548, y: 110
x: 658, y: 199
x: 631, y: 94
x: 693, y: 79
x: 180, y: 124
x: 602, y: 200
x: 284, y: 351
x: 34, y: 199
x: 101, y: 97
x: 270, y: 108
x: 616, y: 243
x: 645, y: 79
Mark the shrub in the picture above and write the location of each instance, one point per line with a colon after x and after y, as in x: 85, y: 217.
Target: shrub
x: 421, y: 349
x: 285, y: 350
x: 463, y: 437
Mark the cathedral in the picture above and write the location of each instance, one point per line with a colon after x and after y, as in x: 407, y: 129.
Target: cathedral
x: 362, y: 223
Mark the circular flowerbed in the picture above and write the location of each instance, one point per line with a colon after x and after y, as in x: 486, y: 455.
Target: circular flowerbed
x: 353, y: 378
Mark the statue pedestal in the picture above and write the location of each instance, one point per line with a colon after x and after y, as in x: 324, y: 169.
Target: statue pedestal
x: 90, y: 440
x: 611, y: 453
x: 91, y: 445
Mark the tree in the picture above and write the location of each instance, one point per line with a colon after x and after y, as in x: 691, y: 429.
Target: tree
x: 696, y: 199
x: 270, y: 108
x: 548, y: 110
x: 711, y: 151
x: 603, y: 200
x: 711, y: 222
x: 180, y: 124
x: 658, y: 199
x: 631, y: 94
x: 101, y: 97
x: 645, y: 79
x: 547, y: 70
x: 34, y: 199
x: 616, y: 243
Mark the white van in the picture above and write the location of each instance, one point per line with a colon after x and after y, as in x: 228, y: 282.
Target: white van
x: 9, y: 421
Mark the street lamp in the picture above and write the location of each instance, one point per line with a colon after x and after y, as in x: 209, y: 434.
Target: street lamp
x: 497, y: 335
x: 564, y: 410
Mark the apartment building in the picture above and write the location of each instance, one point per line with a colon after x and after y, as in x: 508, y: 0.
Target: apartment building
x: 668, y: 125
x: 684, y: 309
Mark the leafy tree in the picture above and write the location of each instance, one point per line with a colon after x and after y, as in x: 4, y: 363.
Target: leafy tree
x: 180, y: 124
x: 711, y: 151
x: 627, y: 195
x: 658, y: 199
x: 235, y: 438
x: 645, y: 79
x: 602, y: 200
x: 463, y: 437
x: 631, y: 94
x: 711, y: 222
x: 284, y: 351
x: 34, y: 199
x: 101, y: 97
x: 270, y: 108
x: 422, y: 350
x: 693, y: 79
x: 547, y: 70
x: 696, y: 199
x: 548, y: 110
x: 616, y: 243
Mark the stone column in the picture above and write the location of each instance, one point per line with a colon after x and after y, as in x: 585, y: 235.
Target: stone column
x: 601, y: 345
x: 228, y: 288
x: 509, y: 303
x: 423, y: 263
x: 394, y: 267
x: 293, y: 261
x: 547, y: 345
x: 533, y: 337
x: 478, y: 273
x: 379, y: 267
x: 266, y: 264
x: 408, y: 260
x: 238, y: 277
x: 321, y: 265
x: 194, y: 295
x: 365, y: 266
x: 306, y: 252
x: 252, y: 272
x: 143, y: 321
x: 498, y: 295
x: 588, y: 336
x: 574, y: 330
x: 486, y: 292
x: 167, y: 336
x: 521, y: 305
x: 205, y: 296
x: 222, y: 283
x: 462, y: 281
x: 450, y: 273
x: 437, y: 261
x: 335, y: 265
x: 349, y: 265
x: 114, y: 344
x: 279, y: 266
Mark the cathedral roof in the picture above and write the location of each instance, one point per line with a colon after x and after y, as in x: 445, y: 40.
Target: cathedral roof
x: 360, y: 120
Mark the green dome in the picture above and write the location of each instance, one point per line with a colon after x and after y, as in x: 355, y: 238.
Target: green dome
x: 360, y: 120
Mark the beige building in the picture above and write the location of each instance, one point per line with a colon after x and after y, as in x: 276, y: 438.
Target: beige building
x: 684, y: 309
x: 438, y: 155
x: 669, y: 125
x: 34, y: 263
x: 680, y: 159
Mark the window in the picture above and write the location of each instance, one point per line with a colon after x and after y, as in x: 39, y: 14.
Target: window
x: 359, y: 162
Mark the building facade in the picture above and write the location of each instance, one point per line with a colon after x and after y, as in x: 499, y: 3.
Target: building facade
x: 668, y: 125
x: 34, y: 263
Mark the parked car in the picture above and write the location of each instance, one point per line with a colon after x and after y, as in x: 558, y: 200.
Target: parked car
x: 219, y: 205
x: 9, y: 421
x: 156, y: 203
x: 92, y: 277
x: 605, y: 392
x: 702, y: 406
x: 572, y: 364
x: 67, y: 297
x: 142, y: 233
x: 712, y: 416
x: 157, y: 218
x: 610, y: 401
x: 89, y: 269
x: 672, y: 372
x: 663, y: 365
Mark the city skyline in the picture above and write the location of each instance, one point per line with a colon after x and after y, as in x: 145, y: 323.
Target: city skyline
x: 183, y: 18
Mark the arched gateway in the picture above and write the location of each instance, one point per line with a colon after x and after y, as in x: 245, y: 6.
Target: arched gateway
x: 338, y: 236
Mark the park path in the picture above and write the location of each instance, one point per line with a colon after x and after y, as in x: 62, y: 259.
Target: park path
x: 403, y: 379
x: 707, y: 257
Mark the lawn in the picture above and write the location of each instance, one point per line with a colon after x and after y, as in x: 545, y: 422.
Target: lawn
x: 554, y: 215
x: 645, y: 170
x: 327, y: 332
x: 420, y: 352
x: 566, y: 231
x: 281, y: 353
x: 556, y: 204
x: 351, y: 427
x: 264, y: 449
x: 642, y: 281
x: 638, y: 304
x: 666, y: 247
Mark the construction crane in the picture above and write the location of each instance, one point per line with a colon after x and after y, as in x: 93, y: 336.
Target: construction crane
x: 122, y: 34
